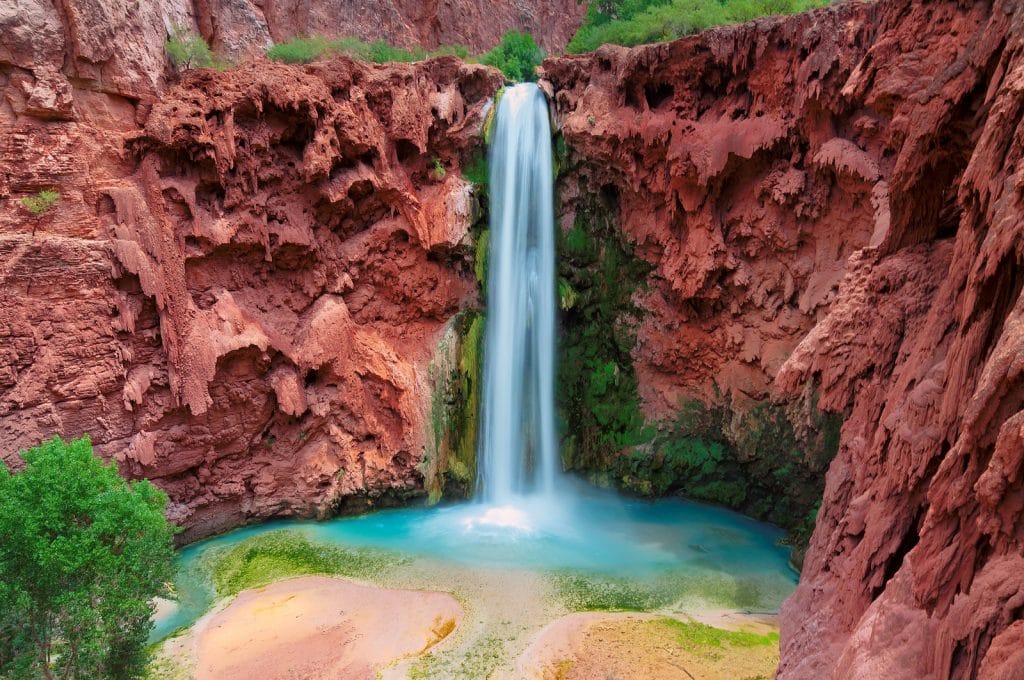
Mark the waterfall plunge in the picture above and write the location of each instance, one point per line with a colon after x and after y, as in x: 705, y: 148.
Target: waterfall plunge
x: 518, y: 452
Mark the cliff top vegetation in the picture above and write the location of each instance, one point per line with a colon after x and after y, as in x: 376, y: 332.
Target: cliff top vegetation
x: 636, y: 22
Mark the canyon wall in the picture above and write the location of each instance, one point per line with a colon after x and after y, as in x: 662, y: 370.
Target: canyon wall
x: 241, y: 297
x: 117, y: 46
x: 832, y: 204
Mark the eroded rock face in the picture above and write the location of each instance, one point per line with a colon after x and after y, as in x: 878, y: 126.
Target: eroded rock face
x: 117, y: 46
x: 240, y: 300
x: 836, y: 199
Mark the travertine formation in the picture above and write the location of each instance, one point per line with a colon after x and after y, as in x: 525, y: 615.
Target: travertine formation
x: 240, y: 300
x: 835, y: 202
x: 242, y: 286
x: 117, y: 46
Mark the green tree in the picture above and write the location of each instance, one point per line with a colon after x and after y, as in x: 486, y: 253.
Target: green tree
x: 82, y: 555
x: 517, y: 55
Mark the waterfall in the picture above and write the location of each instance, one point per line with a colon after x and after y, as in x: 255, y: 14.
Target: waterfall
x: 518, y: 452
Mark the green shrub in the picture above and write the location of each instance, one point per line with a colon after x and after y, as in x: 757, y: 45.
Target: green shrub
x: 517, y: 56
x: 82, y: 555
x: 41, y: 203
x: 299, y: 50
x: 634, y: 22
x: 188, y: 50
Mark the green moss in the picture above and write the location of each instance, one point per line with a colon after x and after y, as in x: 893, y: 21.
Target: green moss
x: 588, y: 592
x: 492, y: 115
x: 281, y: 554
x: 470, y: 368
x: 476, y: 171
x: 483, y: 243
x: 479, y: 660
x: 701, y: 639
x: 751, y: 459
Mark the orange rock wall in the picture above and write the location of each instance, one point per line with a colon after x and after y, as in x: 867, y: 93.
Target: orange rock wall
x: 834, y: 202
x: 240, y: 299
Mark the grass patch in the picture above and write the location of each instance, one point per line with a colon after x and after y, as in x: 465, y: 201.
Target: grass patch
x: 635, y: 22
x: 710, y: 642
x: 276, y: 555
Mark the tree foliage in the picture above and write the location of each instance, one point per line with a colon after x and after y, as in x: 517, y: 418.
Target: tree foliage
x: 82, y: 554
x: 517, y: 56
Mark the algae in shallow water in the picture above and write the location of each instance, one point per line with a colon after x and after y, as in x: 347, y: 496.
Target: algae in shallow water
x: 276, y: 555
x: 581, y: 591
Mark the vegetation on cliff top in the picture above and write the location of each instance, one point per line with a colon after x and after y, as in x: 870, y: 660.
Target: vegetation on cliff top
x: 188, y: 50
x: 82, y: 555
x: 635, y: 22
x: 517, y: 55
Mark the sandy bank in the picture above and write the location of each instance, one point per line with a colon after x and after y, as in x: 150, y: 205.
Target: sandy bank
x: 315, y: 627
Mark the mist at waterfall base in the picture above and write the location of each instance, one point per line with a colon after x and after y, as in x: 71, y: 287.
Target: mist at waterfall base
x: 527, y: 515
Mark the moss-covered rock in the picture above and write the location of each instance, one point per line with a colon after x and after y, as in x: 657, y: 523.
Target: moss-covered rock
x: 598, y: 400
x: 766, y: 459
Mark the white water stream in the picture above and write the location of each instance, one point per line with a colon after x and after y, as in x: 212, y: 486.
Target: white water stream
x: 518, y: 450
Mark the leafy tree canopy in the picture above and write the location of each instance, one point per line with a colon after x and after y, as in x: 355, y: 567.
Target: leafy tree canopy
x: 82, y: 554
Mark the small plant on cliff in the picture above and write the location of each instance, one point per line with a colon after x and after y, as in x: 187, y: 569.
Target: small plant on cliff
x: 439, y: 171
x: 40, y: 203
x: 82, y: 555
x: 517, y: 56
x: 188, y: 50
x: 299, y: 50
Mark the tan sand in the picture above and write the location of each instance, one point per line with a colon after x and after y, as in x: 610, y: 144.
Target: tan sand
x: 316, y: 627
x: 631, y: 646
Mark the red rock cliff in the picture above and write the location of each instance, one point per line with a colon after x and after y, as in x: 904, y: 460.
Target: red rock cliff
x: 118, y: 45
x: 835, y: 201
x: 240, y: 300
